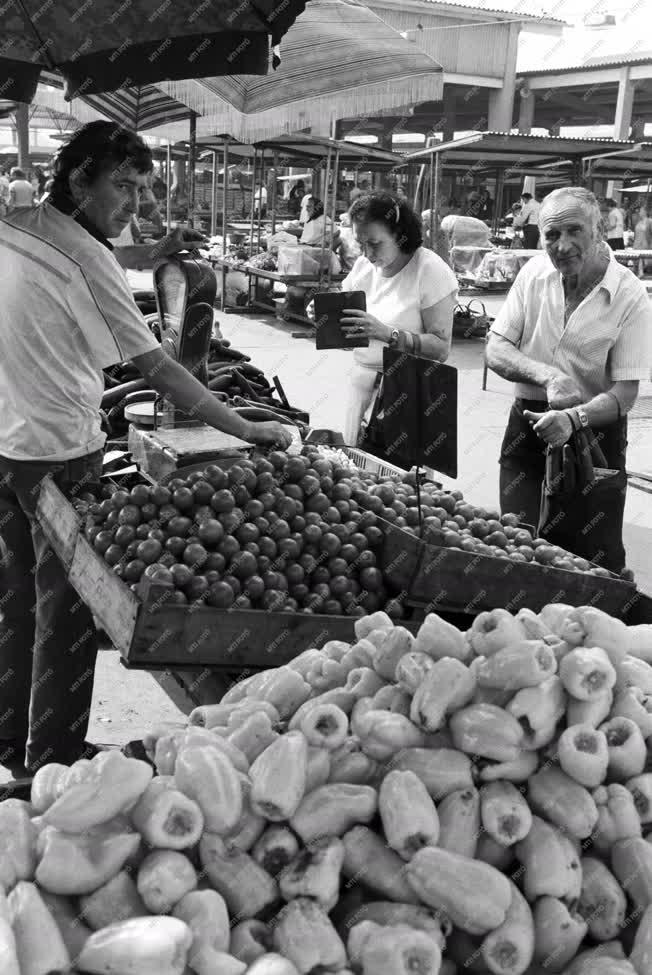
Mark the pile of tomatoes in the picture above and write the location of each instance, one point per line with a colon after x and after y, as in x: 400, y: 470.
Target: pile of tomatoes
x: 277, y: 533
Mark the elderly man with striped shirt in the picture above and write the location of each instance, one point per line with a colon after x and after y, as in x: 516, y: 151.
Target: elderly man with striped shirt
x: 575, y: 336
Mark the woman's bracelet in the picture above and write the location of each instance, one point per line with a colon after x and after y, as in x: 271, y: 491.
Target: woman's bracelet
x: 405, y: 342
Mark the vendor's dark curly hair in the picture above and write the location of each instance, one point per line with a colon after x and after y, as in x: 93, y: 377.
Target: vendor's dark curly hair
x: 396, y: 215
x: 97, y: 147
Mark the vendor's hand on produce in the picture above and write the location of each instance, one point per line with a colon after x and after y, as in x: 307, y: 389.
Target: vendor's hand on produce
x: 270, y: 433
x: 562, y: 392
x: 355, y: 322
x: 555, y: 426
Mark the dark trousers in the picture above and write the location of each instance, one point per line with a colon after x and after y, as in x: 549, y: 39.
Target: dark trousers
x: 523, y: 467
x: 616, y: 243
x: 530, y: 236
x: 48, y: 642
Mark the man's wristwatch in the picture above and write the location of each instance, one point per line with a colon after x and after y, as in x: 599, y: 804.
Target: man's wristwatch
x: 394, y: 337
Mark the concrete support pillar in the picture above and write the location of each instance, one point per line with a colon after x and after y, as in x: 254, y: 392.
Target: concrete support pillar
x: 449, y: 115
x: 501, y: 100
x: 526, y: 111
x: 22, y: 135
x: 622, y: 118
x: 624, y: 105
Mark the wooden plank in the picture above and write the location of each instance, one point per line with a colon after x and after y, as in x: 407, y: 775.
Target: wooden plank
x: 109, y: 599
x: 59, y: 521
x: 472, y: 583
x: 449, y: 580
x: 185, y: 637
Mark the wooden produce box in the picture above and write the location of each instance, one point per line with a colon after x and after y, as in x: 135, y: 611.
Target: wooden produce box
x: 446, y: 579
x: 149, y: 633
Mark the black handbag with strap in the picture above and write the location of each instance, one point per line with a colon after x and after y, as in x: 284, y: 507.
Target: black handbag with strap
x: 469, y: 322
x: 580, y: 496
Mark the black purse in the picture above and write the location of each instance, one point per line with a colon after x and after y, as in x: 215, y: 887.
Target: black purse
x: 469, y: 323
x: 580, y: 498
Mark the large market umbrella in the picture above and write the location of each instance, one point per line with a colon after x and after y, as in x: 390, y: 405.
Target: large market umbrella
x: 340, y: 60
x: 137, y: 107
x: 102, y: 45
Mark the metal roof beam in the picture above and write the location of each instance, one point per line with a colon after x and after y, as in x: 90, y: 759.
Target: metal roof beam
x: 568, y: 79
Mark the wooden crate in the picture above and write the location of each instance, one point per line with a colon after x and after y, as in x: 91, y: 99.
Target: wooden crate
x: 449, y: 580
x: 150, y: 633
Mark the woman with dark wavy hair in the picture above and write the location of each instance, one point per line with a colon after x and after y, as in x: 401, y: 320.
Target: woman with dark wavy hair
x: 411, y: 294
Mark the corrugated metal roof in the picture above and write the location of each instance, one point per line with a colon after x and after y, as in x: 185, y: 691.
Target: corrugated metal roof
x: 596, y: 64
x: 514, y: 8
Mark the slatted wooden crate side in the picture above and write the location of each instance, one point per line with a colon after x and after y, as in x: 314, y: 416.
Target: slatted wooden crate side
x: 59, y: 521
x: 230, y: 639
x: 112, y: 602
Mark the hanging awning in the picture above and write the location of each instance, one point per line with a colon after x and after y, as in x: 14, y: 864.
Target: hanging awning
x: 340, y: 60
x: 103, y: 45
x: 138, y: 107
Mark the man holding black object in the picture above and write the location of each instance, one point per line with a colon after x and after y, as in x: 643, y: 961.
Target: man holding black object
x: 410, y: 297
x: 575, y: 336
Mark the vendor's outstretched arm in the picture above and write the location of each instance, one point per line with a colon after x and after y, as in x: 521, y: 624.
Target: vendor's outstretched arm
x: 170, y: 378
x: 137, y: 257
x: 144, y: 256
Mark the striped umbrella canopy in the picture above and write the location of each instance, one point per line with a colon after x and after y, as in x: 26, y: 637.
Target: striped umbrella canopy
x: 340, y: 60
x: 103, y: 45
x: 138, y: 107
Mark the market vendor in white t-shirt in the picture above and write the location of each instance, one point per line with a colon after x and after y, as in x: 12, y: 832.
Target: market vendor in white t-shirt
x: 410, y: 295
x: 67, y: 313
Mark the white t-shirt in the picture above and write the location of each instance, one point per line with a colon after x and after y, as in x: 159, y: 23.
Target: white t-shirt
x: 616, y: 225
x: 313, y: 231
x: 23, y: 193
x: 608, y: 338
x: 67, y: 312
x: 399, y: 301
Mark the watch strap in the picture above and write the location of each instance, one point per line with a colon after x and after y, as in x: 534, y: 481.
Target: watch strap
x: 571, y: 413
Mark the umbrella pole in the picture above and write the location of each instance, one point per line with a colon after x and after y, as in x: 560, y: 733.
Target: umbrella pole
x: 323, y: 236
x: 273, y: 188
x: 191, y: 169
x: 168, y: 202
x: 434, y: 178
x: 224, y: 196
x: 336, y: 173
x: 253, y: 194
x: 498, y: 205
x: 214, y: 196
x: 260, y: 200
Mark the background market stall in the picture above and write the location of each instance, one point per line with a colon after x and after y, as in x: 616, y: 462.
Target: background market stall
x: 508, y: 159
x: 327, y: 157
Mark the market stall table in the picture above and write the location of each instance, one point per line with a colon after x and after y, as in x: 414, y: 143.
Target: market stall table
x: 311, y: 281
